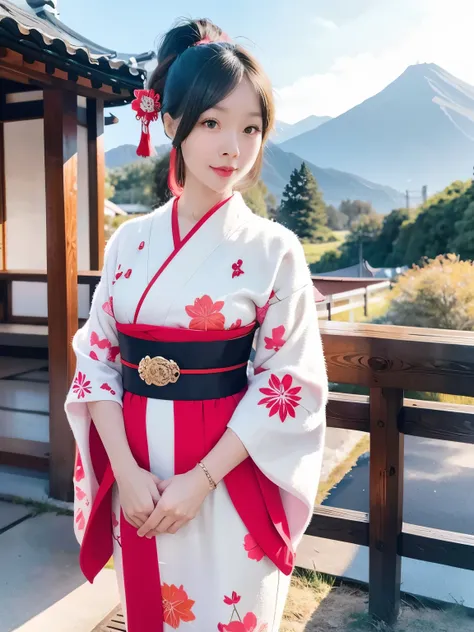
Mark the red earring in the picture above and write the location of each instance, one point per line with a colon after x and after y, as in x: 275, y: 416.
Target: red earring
x: 147, y: 106
x: 173, y: 185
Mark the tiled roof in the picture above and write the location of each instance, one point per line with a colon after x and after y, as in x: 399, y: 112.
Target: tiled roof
x: 42, y: 36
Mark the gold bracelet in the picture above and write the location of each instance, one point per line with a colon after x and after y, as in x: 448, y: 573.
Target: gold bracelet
x: 212, y: 484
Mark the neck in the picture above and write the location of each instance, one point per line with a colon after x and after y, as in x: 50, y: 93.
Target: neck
x: 197, y: 199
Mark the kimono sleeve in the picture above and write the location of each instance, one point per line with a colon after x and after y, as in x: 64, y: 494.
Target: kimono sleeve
x: 281, y: 418
x: 98, y: 376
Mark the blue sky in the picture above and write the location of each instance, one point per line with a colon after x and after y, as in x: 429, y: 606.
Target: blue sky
x: 323, y: 56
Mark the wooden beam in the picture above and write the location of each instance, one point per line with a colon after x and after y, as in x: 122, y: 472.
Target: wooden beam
x: 14, y: 68
x: 343, y: 525
x: 24, y: 453
x: 396, y: 357
x: 437, y: 420
x: 437, y: 546
x: 386, y: 503
x: 350, y: 412
x: 60, y: 139
x: 96, y: 162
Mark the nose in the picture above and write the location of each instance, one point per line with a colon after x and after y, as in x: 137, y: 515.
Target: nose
x: 230, y: 147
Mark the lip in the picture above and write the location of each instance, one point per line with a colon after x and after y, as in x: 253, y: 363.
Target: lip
x: 224, y: 172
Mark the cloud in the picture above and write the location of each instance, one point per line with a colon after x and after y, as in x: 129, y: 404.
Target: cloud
x: 438, y: 36
x: 329, y: 25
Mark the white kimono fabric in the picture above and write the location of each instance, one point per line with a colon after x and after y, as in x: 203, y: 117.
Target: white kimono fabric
x: 232, y: 269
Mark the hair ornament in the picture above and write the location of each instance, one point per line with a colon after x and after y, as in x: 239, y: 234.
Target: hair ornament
x: 147, y: 107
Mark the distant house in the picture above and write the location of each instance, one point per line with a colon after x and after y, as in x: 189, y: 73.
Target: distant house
x: 134, y: 209
x: 113, y: 210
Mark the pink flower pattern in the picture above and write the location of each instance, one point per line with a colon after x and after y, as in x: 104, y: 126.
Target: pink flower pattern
x: 276, y: 342
x: 248, y: 623
x: 261, y: 312
x: 81, y: 385
x: 281, y: 397
x: 254, y: 551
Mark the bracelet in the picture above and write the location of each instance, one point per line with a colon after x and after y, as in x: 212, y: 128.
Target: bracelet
x: 212, y: 484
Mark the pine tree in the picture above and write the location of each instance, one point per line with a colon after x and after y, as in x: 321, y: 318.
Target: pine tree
x: 302, y: 208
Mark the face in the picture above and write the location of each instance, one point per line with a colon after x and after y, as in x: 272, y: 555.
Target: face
x: 225, y: 142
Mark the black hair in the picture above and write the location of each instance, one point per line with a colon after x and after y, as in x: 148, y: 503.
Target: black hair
x: 191, y: 79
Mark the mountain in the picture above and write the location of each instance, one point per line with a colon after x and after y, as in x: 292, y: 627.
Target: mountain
x: 285, y: 131
x: 277, y: 167
x: 125, y: 154
x: 335, y: 185
x: 418, y: 130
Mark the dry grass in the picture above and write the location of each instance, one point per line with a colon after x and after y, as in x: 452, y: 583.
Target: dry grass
x: 314, y: 605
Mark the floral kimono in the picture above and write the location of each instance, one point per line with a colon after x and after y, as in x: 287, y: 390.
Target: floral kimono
x: 233, y: 279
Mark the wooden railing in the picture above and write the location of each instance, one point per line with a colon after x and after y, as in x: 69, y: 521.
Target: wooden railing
x: 390, y: 360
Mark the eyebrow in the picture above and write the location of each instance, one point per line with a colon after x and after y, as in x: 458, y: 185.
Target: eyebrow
x: 223, y: 109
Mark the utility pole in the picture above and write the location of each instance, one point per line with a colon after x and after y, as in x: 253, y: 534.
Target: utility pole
x: 407, y: 198
x: 424, y: 193
x: 360, y: 257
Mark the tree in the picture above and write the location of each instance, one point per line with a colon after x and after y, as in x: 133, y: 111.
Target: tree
x: 440, y: 294
x: 382, y: 251
x: 362, y: 240
x: 109, y: 189
x: 463, y: 243
x: 255, y: 198
x: 354, y: 209
x: 302, y: 209
x: 336, y: 219
x: 133, y: 183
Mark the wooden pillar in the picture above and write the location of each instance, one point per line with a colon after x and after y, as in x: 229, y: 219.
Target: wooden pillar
x: 96, y: 162
x: 386, y: 503
x: 60, y: 143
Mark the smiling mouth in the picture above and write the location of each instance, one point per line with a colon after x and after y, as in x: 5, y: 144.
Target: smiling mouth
x: 224, y: 171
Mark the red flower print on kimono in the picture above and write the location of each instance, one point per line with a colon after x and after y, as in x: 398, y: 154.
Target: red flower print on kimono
x: 81, y: 385
x: 237, y: 324
x: 176, y: 606
x: 232, y: 600
x: 281, y: 397
x: 80, y: 520
x: 237, y: 268
x: 96, y: 341
x: 254, y: 551
x: 107, y: 387
x: 206, y: 314
x: 108, y: 307
x: 112, y: 354
x: 79, y: 469
x: 261, y: 312
x: 248, y: 624
x: 276, y: 342
x: 81, y: 495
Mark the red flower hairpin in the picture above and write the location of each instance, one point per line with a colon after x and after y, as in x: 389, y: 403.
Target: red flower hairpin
x: 147, y: 106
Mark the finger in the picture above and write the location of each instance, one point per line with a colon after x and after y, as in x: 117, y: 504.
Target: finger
x: 153, y: 520
x: 155, y: 478
x: 163, y: 485
x: 164, y: 525
x: 131, y: 520
x: 177, y: 526
x: 155, y: 494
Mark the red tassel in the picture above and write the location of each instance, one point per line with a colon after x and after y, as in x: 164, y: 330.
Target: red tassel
x: 173, y: 186
x: 145, y: 148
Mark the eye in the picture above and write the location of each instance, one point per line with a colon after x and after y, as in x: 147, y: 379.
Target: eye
x: 210, y: 123
x: 252, y: 127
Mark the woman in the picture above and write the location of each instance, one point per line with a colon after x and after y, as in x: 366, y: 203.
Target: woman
x: 197, y: 473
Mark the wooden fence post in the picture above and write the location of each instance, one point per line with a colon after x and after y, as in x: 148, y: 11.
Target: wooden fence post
x: 386, y: 502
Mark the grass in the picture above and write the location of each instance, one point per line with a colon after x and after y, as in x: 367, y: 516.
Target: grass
x: 314, y: 252
x: 315, y: 604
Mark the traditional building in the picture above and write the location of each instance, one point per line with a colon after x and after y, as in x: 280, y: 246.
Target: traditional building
x: 54, y: 87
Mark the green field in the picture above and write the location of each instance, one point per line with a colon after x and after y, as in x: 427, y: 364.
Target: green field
x: 314, y: 252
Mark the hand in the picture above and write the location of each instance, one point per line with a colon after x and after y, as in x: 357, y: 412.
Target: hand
x: 181, y: 499
x: 138, y: 494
